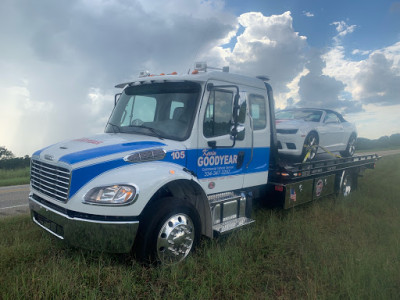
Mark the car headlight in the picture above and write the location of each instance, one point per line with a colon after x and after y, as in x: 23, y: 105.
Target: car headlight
x: 111, y: 195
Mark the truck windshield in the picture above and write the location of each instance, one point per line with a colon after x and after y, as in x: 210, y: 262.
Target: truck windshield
x: 166, y: 110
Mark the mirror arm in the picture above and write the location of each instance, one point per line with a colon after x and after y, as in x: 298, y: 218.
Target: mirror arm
x: 116, y: 98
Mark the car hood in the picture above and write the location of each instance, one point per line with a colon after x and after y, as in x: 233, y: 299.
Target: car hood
x: 102, y: 147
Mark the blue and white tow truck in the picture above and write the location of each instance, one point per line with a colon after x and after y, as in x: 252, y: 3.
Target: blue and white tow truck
x: 182, y: 156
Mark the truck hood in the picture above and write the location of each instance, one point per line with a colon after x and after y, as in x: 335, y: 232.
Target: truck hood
x: 102, y: 147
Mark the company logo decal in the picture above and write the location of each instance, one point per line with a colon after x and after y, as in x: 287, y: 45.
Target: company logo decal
x: 212, y: 163
x: 90, y: 141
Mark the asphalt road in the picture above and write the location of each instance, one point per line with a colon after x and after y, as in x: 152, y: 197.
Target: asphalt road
x: 14, y: 199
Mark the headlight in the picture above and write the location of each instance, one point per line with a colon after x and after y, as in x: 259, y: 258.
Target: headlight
x: 111, y: 195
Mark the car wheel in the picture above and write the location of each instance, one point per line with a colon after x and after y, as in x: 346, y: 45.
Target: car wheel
x: 351, y: 147
x: 310, y: 147
x: 169, y: 234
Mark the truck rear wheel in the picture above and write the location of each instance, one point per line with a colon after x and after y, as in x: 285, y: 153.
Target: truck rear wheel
x: 169, y: 233
x: 345, y: 184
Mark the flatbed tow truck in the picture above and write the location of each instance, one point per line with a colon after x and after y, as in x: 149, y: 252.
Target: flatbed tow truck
x: 182, y: 156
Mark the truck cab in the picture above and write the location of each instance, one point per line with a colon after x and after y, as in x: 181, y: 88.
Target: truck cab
x: 177, y: 159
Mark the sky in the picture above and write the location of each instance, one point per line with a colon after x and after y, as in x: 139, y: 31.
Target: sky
x: 60, y: 60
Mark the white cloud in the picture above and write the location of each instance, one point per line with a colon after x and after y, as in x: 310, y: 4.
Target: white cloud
x: 360, y: 52
x: 308, y: 14
x: 60, y: 60
x: 268, y: 45
x: 71, y: 54
x: 375, y: 79
x: 342, y: 29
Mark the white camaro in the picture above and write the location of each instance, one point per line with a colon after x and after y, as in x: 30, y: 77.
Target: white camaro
x: 300, y: 129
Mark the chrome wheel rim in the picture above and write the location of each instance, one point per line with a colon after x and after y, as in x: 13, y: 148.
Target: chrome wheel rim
x: 346, y: 186
x: 312, y: 142
x: 352, y: 147
x: 175, y: 239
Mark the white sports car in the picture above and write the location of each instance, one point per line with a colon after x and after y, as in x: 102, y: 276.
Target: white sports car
x: 299, y: 130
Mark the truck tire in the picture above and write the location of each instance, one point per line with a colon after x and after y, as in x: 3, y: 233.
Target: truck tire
x: 346, y: 184
x: 168, y: 233
x: 351, y: 147
x: 310, y: 141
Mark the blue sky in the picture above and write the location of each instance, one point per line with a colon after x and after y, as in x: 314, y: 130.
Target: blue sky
x: 378, y: 22
x: 60, y: 60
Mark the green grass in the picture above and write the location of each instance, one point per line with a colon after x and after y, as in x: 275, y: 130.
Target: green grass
x: 14, y: 177
x: 331, y: 249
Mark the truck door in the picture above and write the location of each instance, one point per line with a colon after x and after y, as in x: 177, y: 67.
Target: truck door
x: 221, y: 157
x: 257, y: 162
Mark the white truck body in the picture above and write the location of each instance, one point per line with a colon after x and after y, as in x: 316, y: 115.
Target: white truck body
x: 196, y: 179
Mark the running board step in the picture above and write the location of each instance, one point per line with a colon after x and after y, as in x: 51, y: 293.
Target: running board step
x: 231, y: 225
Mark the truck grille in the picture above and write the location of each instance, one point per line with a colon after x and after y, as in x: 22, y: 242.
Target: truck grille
x: 50, y: 180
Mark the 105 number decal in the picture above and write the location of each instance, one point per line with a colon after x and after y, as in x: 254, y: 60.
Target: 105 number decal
x: 178, y: 155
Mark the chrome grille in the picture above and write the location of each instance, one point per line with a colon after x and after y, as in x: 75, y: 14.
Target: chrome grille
x: 50, y: 180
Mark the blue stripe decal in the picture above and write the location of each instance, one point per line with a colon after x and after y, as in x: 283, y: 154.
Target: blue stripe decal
x: 206, y: 163
x: 80, y: 156
x: 83, y: 175
x: 37, y: 153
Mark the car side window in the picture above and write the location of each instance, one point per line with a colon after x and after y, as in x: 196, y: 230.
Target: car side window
x: 331, y: 118
x: 258, y: 111
x: 218, y: 116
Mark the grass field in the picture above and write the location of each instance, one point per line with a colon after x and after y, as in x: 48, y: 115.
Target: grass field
x: 331, y: 249
x: 14, y: 177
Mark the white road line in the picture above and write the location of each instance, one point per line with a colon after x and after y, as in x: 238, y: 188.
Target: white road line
x: 15, y: 206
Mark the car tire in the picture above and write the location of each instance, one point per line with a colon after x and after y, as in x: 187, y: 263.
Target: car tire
x: 168, y: 233
x: 351, y: 147
x: 310, y: 141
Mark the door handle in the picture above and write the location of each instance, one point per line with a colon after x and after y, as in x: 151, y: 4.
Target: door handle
x: 240, y: 160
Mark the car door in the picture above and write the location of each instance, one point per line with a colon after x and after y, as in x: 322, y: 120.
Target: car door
x: 331, y: 132
x: 220, y: 157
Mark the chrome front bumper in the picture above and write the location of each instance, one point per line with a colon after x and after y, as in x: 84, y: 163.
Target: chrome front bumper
x: 109, y: 236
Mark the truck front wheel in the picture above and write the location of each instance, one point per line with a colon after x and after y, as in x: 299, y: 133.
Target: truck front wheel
x: 169, y: 233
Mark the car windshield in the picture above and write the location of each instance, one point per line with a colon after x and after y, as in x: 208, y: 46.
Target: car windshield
x: 164, y: 109
x: 306, y: 115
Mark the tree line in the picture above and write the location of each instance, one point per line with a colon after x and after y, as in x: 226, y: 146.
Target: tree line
x: 383, y: 142
x: 8, y: 161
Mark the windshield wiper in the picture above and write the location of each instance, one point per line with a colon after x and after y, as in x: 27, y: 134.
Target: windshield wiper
x: 113, y: 126
x: 155, y: 131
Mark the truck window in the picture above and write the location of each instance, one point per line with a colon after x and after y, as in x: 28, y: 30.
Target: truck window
x: 217, y: 119
x: 175, y: 109
x: 164, y: 109
x: 258, y: 111
x: 139, y: 107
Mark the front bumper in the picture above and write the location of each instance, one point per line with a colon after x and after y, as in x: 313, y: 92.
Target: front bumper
x: 290, y: 144
x: 84, y: 231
